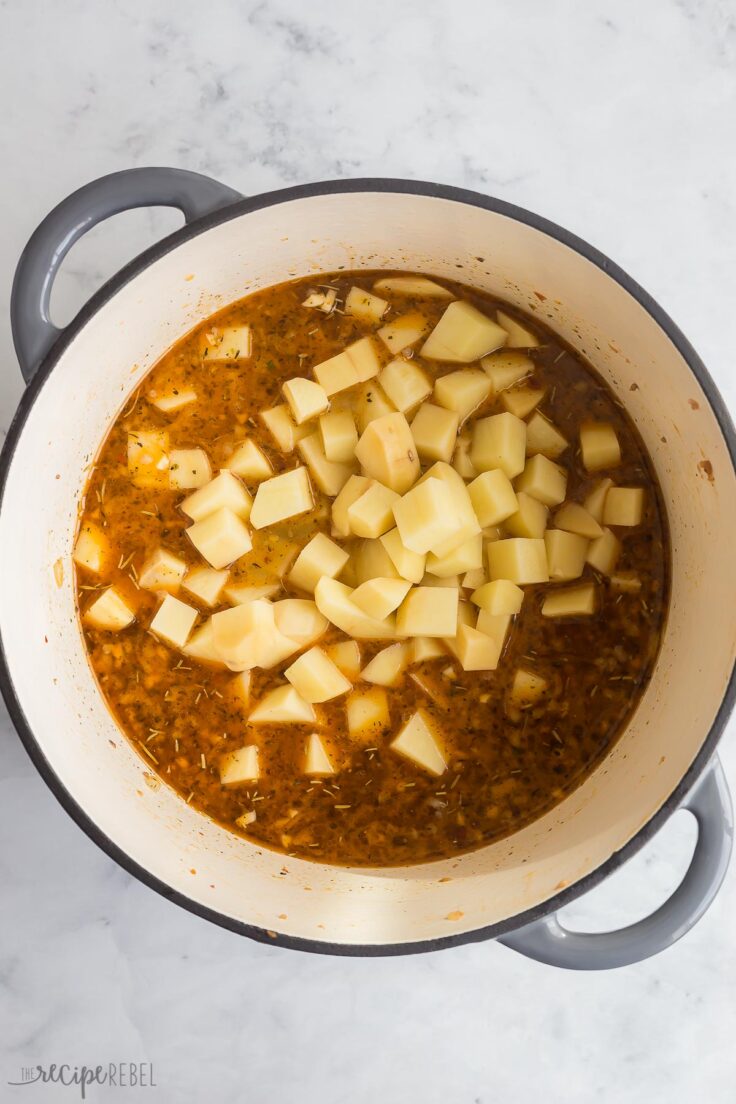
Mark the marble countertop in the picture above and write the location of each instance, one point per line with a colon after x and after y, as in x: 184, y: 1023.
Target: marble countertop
x: 614, y: 120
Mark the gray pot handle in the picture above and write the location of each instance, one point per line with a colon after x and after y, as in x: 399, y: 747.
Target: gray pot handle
x: 548, y: 941
x: 33, y: 331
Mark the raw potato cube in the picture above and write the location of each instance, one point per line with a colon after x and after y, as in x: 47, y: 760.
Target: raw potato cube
x: 205, y: 583
x: 474, y: 579
x: 519, y: 560
x: 230, y: 343
x: 250, y: 463
x: 189, y: 468
x: 372, y: 514
x: 499, y: 442
x: 506, y: 368
x: 299, y: 620
x: 386, y: 668
x: 199, y: 646
x: 345, y: 655
x: 463, y: 334
x: 365, y: 358
x: 624, y: 506
x: 496, y: 625
x: 319, y: 557
x: 410, y: 565
x: 466, y: 521
x: 517, y: 336
x: 247, y: 636
x: 403, y: 331
x: 468, y: 556
x: 336, y: 374
x: 172, y: 400
x: 109, y: 611
x: 416, y: 741
x: 430, y: 580
x: 225, y: 490
x: 221, y: 538
x: 574, y: 518
x: 339, y: 436
x: 530, y: 520
x: 461, y: 461
x: 372, y: 561
x: 428, y: 611
x: 462, y: 391
x: 599, y: 446
x: 174, y: 621
x: 499, y: 598
x: 372, y: 403
x: 282, y: 497
x: 522, y: 400
x: 425, y: 648
x: 566, y: 553
x: 543, y: 480
x: 282, y: 706
x: 365, y: 306
x: 162, y: 571
x: 596, y: 500
x: 240, y: 766
x: 240, y: 687
x: 386, y: 452
x: 434, y: 430
x: 576, y: 601
x: 527, y: 688
x: 412, y: 285
x: 148, y: 459
x: 91, y: 549
x: 405, y: 383
x: 380, y: 597
x: 317, y: 761
x: 306, y: 399
x: 542, y: 437
x: 241, y: 593
x: 603, y: 553
x: 316, y: 678
x: 476, y: 650
x: 625, y: 582
x: 334, y: 601
x: 282, y: 427
x: 368, y: 714
x: 426, y: 516
x: 329, y: 477
x: 493, y: 497
x: 356, y: 486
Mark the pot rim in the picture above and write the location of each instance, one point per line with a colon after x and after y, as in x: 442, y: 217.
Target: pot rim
x: 102, y: 297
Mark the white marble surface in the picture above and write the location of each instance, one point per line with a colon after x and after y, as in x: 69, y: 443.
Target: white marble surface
x: 615, y: 120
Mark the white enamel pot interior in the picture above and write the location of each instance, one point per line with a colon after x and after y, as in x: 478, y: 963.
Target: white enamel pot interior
x: 107, y: 352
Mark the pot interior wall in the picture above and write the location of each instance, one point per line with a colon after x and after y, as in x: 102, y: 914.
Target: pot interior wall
x: 109, y: 357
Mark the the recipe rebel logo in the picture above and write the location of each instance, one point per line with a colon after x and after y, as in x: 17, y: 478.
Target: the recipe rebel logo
x: 117, y: 1075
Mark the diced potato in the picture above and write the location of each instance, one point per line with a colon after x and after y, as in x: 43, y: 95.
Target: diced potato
x: 462, y: 391
x: 527, y: 688
x: 356, y: 486
x: 225, y: 490
x: 493, y: 497
x: 530, y: 519
x: 299, y: 620
x: 428, y: 611
x: 499, y: 442
x: 506, y: 368
x: 579, y: 601
x: 496, y: 625
x: 499, y: 598
x: 240, y: 687
x: 625, y: 582
x: 542, y: 437
x: 162, y: 571
x: 283, y: 706
x: 566, y: 553
x: 229, y: 343
x: 282, y: 497
x: 412, y: 285
x: 371, y: 403
x: 461, y: 461
x: 148, y: 457
x: 247, y: 636
x: 365, y: 306
x: 425, y: 648
x: 463, y: 334
x: 316, y: 678
x: 387, y: 667
x: 365, y: 358
x: 345, y: 655
x: 410, y: 565
x: 522, y: 400
x: 336, y: 374
x: 603, y: 553
x: 189, y: 468
x: 473, y: 580
x: 109, y: 611
x: 240, y: 593
x: 517, y: 336
x: 466, y: 557
x: 174, y: 621
x: 250, y: 463
x: 199, y: 646
x: 282, y: 427
x: 405, y: 383
x: 476, y: 650
x: 596, y: 500
x: 599, y: 446
x: 372, y: 561
x: 306, y: 399
x: 543, y: 480
x: 380, y: 597
x: 368, y: 714
x: 240, y: 766
x: 221, y: 538
x: 172, y: 400
x: 520, y: 560
x: 322, y: 300
x: 574, y: 518
x: 386, y: 452
x: 319, y: 557
x: 334, y: 601
x: 403, y: 331
x: 434, y: 430
x: 329, y: 476
x: 317, y: 761
x: 339, y: 436
x: 467, y: 522
x: 372, y: 514
x: 430, y: 580
x: 426, y: 516
x: 417, y: 741
x: 92, y: 548
x: 624, y: 506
